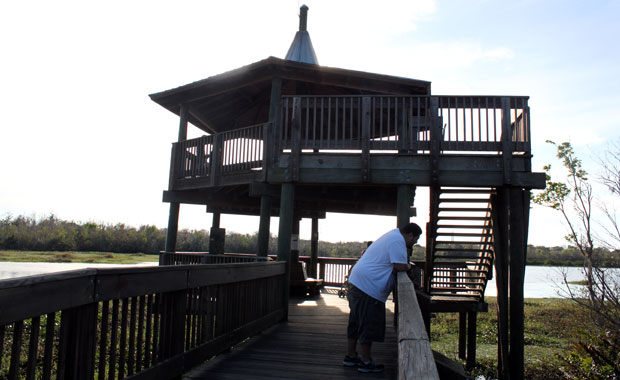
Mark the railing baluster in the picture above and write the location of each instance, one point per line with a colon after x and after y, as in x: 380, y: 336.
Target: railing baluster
x: 16, y: 348
x: 305, y: 143
x: 50, y: 324
x: 132, y: 336
x: 103, y: 339
x: 148, y: 339
x: 33, y: 346
x: 140, y: 334
x: 329, y: 121
x: 314, y: 146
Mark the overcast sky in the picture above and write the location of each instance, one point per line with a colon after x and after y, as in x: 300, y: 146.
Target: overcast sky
x: 80, y: 138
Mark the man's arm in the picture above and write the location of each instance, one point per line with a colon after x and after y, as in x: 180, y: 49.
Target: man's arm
x: 399, y: 267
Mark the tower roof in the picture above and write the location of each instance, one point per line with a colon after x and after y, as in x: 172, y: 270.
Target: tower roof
x: 301, y: 49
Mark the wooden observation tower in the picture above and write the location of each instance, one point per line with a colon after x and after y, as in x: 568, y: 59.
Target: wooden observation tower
x: 291, y: 138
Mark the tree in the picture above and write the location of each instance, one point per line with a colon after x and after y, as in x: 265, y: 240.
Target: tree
x: 573, y: 198
x: 597, y: 356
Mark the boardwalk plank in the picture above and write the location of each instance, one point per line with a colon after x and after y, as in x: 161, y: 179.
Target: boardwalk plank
x: 309, y: 346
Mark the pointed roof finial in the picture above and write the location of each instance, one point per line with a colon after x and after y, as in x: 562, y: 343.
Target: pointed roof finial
x: 301, y: 49
x: 303, y: 18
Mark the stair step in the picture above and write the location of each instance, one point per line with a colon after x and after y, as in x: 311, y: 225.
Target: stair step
x: 456, y: 249
x: 463, y: 200
x: 464, y: 209
x: 478, y: 266
x: 461, y: 257
x: 448, y: 267
x: 463, y: 234
x: 459, y: 242
x: 461, y: 226
x: 483, y: 218
x: 473, y: 283
x: 446, y: 289
x: 483, y: 278
x: 465, y: 191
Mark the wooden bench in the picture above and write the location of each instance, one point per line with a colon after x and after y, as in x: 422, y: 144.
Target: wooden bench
x: 301, y: 284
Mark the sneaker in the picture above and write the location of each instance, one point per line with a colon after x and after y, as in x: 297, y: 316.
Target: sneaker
x: 352, y: 361
x: 370, y: 367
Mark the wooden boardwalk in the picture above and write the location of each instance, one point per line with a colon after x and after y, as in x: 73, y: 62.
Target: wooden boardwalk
x: 310, y: 345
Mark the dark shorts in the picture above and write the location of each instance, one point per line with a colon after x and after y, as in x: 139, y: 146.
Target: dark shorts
x: 366, y: 318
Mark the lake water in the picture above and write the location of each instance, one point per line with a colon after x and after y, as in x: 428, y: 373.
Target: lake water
x: 11, y: 269
x: 540, y: 282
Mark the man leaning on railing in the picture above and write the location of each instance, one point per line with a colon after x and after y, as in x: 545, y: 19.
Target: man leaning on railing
x: 371, y: 281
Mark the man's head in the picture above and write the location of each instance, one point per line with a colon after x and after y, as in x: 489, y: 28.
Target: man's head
x: 411, y: 232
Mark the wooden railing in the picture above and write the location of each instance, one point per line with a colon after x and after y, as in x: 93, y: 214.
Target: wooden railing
x: 138, y: 323
x: 405, y: 123
x: 415, y: 358
x: 189, y: 258
x: 332, y: 270
x: 366, y: 125
x: 240, y: 150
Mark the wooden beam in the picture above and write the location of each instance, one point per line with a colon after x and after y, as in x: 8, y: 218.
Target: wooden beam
x: 462, y: 335
x: 500, y: 231
x: 173, y: 227
x: 404, y: 202
x: 263, y: 228
x: 285, y: 230
x: 415, y: 357
x: 470, y: 361
x: 518, y: 247
x: 314, y: 248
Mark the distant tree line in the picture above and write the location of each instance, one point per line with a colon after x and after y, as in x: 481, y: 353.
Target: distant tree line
x: 52, y: 234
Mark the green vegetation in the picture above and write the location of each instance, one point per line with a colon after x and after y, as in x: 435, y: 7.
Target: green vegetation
x: 51, y: 234
x: 76, y: 257
x: 553, y: 328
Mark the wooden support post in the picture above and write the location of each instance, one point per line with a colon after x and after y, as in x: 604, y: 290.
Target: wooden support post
x: 263, y: 227
x: 436, y: 138
x: 462, y: 335
x: 216, y: 159
x: 403, y: 205
x: 275, y: 106
x: 470, y: 361
x: 517, y: 275
x: 217, y: 236
x: 366, y: 107
x: 295, y: 238
x: 295, y: 156
x: 285, y: 229
x: 314, y: 248
x: 506, y: 140
x: 501, y: 247
x: 173, y: 217
x: 173, y: 227
x: 183, y: 112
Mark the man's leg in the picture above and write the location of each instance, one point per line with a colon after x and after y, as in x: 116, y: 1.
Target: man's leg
x: 366, y: 347
x: 351, y: 347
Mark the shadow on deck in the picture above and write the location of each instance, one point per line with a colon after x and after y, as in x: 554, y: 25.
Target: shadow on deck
x: 310, y: 345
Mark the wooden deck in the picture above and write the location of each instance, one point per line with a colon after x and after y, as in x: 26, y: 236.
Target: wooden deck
x: 310, y: 345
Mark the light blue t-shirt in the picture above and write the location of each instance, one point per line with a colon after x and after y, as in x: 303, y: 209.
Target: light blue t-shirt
x: 372, y: 274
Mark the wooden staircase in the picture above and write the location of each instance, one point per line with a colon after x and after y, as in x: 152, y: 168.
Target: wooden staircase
x: 460, y: 243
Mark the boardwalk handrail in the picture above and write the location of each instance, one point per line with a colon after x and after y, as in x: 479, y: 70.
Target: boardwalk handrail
x: 188, y: 258
x: 415, y: 357
x: 332, y: 270
x: 138, y: 323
